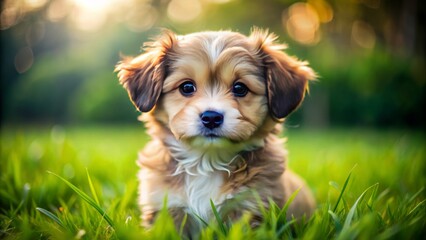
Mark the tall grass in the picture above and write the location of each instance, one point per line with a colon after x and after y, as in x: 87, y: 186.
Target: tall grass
x: 369, y: 184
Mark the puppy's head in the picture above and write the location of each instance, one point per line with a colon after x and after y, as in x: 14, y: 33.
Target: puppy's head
x: 215, y: 88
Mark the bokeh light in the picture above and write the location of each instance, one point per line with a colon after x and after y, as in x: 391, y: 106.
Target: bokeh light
x: 34, y: 4
x: 9, y: 17
x: 302, y: 23
x: 363, y: 34
x: 35, y: 33
x: 302, y: 20
x: 323, y: 9
x: 141, y: 18
x: 57, y: 10
x: 184, y: 10
x: 24, y: 59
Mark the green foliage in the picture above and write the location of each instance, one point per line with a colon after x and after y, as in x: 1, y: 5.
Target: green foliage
x: 71, y: 79
x: 382, y: 197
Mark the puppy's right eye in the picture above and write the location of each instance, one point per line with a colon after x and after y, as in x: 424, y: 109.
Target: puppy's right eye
x: 187, y: 88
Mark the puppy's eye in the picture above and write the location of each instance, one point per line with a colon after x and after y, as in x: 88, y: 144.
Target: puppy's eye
x: 187, y: 88
x: 239, y: 89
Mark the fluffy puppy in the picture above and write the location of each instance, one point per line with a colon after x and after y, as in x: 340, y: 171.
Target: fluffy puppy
x: 213, y: 103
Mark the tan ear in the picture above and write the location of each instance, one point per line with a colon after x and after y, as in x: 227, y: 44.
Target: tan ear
x: 143, y: 76
x: 286, y: 77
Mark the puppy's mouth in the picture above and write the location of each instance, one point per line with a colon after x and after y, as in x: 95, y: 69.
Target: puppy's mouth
x: 217, y: 137
x: 212, y: 136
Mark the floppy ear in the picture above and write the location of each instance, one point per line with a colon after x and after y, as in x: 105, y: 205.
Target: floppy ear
x: 286, y: 77
x: 143, y: 76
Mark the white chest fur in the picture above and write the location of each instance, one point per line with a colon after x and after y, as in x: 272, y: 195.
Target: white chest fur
x: 203, y: 169
x: 200, y: 189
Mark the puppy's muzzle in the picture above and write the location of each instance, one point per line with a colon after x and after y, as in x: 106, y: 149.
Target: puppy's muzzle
x: 211, y: 119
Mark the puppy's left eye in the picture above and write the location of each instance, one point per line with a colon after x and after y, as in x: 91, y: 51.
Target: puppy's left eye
x: 239, y: 89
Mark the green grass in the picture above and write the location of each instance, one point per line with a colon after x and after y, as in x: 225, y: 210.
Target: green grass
x: 80, y: 182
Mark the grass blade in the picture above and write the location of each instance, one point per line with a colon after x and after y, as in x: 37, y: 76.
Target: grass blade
x: 416, y: 194
x: 182, y: 225
x: 372, y: 198
x: 286, y: 226
x: 351, y: 213
x: 416, y: 207
x: 287, y: 204
x: 337, y: 224
x: 343, y: 189
x: 51, y: 216
x: 92, y: 188
x: 260, y: 203
x: 218, y: 218
x: 86, y: 198
x: 201, y: 220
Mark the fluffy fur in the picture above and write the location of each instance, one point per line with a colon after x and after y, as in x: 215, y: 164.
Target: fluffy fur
x: 192, y: 164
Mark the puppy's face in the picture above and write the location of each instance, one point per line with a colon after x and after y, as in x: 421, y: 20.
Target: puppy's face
x: 215, y: 91
x: 215, y: 88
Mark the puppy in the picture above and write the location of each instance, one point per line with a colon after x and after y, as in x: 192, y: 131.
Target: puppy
x: 214, y: 103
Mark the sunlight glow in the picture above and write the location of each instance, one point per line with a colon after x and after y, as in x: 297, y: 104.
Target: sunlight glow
x: 219, y: 1
x: 91, y: 15
x: 97, y: 5
x: 34, y: 4
x: 84, y: 19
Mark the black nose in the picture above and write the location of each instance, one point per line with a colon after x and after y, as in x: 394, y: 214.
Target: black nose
x: 211, y: 119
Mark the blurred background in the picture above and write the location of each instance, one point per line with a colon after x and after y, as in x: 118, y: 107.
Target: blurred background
x: 64, y: 111
x: 58, y: 56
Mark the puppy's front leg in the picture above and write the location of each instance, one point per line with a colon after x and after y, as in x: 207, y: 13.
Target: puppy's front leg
x: 186, y: 222
x: 181, y: 219
x: 245, y: 203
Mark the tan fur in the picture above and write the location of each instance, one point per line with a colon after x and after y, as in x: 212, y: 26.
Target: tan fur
x: 189, y: 166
